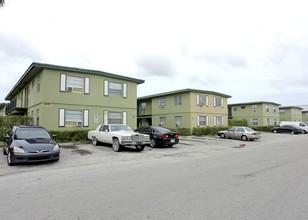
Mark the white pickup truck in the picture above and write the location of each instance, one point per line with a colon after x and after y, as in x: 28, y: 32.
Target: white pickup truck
x: 118, y: 135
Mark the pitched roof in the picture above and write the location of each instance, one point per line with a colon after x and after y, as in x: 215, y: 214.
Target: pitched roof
x: 183, y: 91
x: 36, y: 68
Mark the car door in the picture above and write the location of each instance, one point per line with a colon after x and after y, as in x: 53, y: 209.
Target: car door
x: 231, y: 132
x: 239, y: 132
x: 103, y: 134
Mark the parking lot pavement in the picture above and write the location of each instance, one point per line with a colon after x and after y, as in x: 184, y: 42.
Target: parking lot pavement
x: 73, y: 155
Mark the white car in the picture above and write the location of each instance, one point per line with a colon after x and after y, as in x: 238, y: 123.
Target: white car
x: 118, y: 135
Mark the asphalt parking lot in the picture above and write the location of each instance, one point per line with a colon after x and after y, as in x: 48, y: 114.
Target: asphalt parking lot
x: 83, y: 154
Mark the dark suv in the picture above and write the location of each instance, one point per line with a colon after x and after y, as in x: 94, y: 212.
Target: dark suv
x: 30, y: 144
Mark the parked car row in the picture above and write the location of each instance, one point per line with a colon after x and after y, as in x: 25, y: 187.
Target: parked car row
x: 245, y: 133
x: 120, y: 135
x: 34, y: 143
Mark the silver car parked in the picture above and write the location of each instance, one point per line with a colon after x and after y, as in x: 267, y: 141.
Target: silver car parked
x: 238, y: 132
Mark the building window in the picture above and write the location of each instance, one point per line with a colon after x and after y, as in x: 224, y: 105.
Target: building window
x: 162, y: 102
x: 115, y: 117
x: 274, y: 109
x: 234, y: 109
x: 202, y: 121
x: 178, y: 120
x: 275, y: 122
x: 243, y: 107
x: 73, y: 118
x: 32, y: 83
x: 268, y: 121
x: 142, y: 107
x: 218, y: 121
x: 178, y: 100
x: 218, y: 102
x: 115, y: 89
x: 281, y: 111
x: 162, y: 121
x: 254, y: 108
x: 74, y: 84
x: 255, y: 121
x: 267, y: 109
x: 202, y: 100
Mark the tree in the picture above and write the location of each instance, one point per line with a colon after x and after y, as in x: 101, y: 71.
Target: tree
x: 2, y: 2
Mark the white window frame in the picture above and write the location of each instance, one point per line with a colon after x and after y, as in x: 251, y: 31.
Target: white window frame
x: 201, y: 101
x: 206, y: 120
x: 215, y: 120
x: 218, y: 104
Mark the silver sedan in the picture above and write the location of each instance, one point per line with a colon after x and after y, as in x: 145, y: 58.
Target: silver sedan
x: 242, y: 133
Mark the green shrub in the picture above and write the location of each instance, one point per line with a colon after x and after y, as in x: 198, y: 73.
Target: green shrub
x: 237, y: 122
x: 7, y: 122
x: 70, y: 136
x: 199, y: 131
x: 182, y: 131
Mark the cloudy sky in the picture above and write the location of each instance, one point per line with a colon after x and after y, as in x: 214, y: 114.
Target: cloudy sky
x: 253, y: 50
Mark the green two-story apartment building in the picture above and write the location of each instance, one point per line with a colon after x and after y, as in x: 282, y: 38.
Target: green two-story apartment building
x: 290, y: 113
x: 185, y: 108
x: 59, y: 97
x: 259, y: 113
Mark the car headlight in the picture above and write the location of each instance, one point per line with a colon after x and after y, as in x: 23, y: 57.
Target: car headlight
x: 18, y: 150
x: 56, y: 148
x: 125, y: 137
x: 146, y: 136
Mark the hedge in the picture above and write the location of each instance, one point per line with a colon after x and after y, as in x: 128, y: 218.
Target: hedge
x: 7, y: 122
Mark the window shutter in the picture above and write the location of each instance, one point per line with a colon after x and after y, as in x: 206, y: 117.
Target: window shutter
x: 214, y: 101
x: 63, y: 83
x: 87, y: 85
x: 222, y: 120
x: 207, y: 120
x: 105, y: 117
x: 61, y: 117
x: 106, y: 87
x: 206, y: 100
x: 198, y: 120
x: 125, y: 90
x: 222, y: 102
x: 86, y: 118
x: 198, y: 100
x: 214, y: 120
x: 124, y: 118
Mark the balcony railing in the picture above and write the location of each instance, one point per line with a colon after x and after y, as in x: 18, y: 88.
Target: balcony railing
x: 13, y: 109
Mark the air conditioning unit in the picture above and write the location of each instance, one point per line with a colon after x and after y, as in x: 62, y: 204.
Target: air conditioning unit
x: 161, y: 124
x: 177, y: 124
x: 162, y: 105
x: 79, y: 123
x: 69, y: 89
x: 201, y: 103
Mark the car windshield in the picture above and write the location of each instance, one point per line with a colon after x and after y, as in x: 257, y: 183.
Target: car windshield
x: 30, y: 133
x: 120, y: 128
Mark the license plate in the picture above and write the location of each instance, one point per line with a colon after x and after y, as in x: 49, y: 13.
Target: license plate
x: 172, y: 140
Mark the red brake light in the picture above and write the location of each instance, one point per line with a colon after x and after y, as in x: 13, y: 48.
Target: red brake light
x: 165, y: 136
x: 176, y: 135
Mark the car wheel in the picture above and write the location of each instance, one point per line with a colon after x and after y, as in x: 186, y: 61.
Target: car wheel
x: 222, y: 135
x: 140, y: 147
x: 274, y: 131
x: 94, y: 141
x: 8, y: 159
x: 153, y: 143
x: 116, y: 145
x: 244, y: 138
x: 292, y: 132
